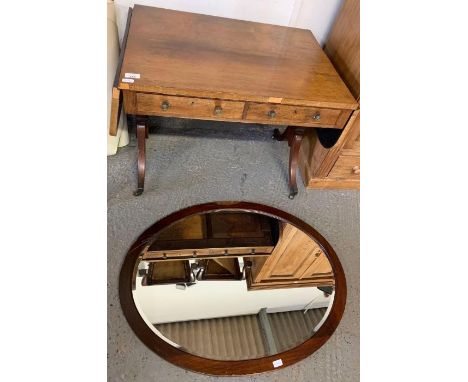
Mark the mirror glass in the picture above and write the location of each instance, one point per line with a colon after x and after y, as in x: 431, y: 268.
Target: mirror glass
x: 233, y: 285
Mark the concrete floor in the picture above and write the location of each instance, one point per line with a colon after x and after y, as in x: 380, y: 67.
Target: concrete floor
x: 192, y: 162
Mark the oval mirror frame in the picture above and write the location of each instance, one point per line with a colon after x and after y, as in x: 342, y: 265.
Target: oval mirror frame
x: 217, y: 367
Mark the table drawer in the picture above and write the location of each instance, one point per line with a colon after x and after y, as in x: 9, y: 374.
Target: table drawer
x: 346, y: 167
x: 158, y: 104
x: 200, y: 252
x: 296, y: 115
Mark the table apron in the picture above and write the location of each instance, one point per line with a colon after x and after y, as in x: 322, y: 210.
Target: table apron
x: 151, y: 104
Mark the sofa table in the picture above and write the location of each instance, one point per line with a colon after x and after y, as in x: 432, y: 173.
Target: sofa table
x: 186, y: 65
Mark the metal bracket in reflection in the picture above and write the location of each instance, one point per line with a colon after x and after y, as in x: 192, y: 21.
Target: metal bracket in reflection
x: 247, y: 266
x: 197, y: 269
x: 327, y: 290
x: 195, y: 275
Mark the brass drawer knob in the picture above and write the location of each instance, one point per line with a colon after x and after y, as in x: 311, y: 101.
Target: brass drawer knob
x: 316, y: 116
x: 272, y: 114
x: 356, y: 170
x: 165, y: 105
x: 218, y: 110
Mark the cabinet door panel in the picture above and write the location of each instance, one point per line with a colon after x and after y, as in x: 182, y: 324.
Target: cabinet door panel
x: 292, y: 257
x: 319, y: 268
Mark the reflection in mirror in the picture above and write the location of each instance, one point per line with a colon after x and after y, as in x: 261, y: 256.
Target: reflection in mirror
x: 233, y: 285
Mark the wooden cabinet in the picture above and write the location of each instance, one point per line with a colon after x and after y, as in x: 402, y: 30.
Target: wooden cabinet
x: 276, y: 254
x: 296, y: 259
x: 347, y: 166
x: 337, y: 165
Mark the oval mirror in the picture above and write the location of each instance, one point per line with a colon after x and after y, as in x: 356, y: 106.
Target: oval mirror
x: 232, y: 288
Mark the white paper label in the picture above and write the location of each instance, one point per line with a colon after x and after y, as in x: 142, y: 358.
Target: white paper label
x: 129, y: 80
x: 278, y: 363
x: 132, y: 75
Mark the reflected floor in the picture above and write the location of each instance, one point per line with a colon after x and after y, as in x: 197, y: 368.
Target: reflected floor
x: 242, y: 337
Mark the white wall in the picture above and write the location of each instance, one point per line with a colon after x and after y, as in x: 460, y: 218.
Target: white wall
x: 209, y: 299
x: 316, y: 15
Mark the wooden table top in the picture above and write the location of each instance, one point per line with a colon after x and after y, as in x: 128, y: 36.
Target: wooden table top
x: 181, y: 53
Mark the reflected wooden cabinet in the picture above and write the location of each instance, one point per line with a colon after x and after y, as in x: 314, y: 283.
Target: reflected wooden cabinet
x: 277, y: 254
x: 296, y: 259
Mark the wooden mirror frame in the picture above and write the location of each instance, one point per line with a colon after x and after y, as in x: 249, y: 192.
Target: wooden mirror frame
x: 217, y: 367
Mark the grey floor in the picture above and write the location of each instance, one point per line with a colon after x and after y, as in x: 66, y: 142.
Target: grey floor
x: 192, y: 162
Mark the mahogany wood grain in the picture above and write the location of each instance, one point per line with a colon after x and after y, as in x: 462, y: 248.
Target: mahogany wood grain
x: 233, y: 111
x: 216, y: 367
x: 294, y: 142
x: 294, y: 136
x: 187, y: 65
x: 181, y: 53
x: 142, y: 132
x: 188, y: 107
x: 296, y: 115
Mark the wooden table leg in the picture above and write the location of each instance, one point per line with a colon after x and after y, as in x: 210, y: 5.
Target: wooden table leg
x: 294, y: 135
x: 142, y: 134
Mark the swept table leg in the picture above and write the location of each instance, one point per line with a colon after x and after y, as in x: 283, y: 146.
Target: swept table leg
x: 294, y: 135
x: 294, y: 142
x: 142, y: 131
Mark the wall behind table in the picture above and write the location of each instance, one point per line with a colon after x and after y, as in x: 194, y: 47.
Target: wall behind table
x: 316, y: 15
x: 210, y: 299
x: 113, y: 50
